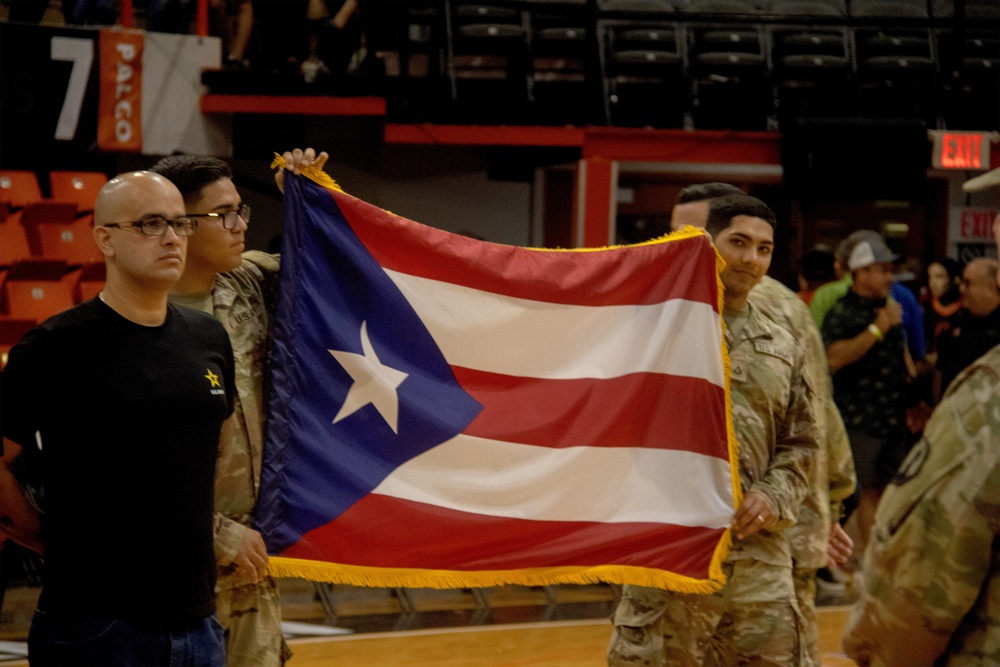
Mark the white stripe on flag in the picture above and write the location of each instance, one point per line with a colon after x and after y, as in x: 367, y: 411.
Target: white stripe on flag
x: 510, y: 336
x: 611, y: 485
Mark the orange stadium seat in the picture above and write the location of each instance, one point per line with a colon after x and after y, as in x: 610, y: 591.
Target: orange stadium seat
x: 54, y: 232
x: 17, y: 188
x: 13, y: 243
x: 34, y: 289
x: 79, y: 187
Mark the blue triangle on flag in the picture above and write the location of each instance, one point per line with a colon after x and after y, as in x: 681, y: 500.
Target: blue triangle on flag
x: 330, y: 285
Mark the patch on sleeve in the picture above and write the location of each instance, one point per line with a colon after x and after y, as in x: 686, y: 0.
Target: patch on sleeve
x: 913, y: 462
x: 765, y: 347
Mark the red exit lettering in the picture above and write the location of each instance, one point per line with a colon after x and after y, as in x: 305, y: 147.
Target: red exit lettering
x: 961, y: 151
x: 977, y: 224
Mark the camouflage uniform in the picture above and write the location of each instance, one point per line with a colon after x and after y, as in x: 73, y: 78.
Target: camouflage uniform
x: 932, y: 570
x: 832, y: 479
x: 243, y: 301
x: 755, y: 613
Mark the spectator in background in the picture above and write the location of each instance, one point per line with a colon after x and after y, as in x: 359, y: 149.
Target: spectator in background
x: 867, y: 356
x: 817, y: 268
x: 942, y: 302
x: 829, y: 294
x: 931, y: 584
x: 233, y: 20
x: 976, y: 328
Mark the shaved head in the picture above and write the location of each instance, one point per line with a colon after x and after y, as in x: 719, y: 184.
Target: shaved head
x: 134, y: 195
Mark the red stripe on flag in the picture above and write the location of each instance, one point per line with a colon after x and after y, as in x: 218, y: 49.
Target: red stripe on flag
x: 637, y: 410
x: 612, y: 277
x: 385, y: 532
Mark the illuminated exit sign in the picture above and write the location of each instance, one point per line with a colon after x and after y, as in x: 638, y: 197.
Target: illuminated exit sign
x: 961, y: 150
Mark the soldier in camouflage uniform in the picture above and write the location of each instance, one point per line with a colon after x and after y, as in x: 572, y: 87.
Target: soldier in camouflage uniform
x: 240, y: 289
x: 931, y: 590
x: 832, y: 480
x: 754, y: 617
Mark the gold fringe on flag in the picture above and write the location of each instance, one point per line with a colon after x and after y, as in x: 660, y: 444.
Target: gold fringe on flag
x: 376, y: 577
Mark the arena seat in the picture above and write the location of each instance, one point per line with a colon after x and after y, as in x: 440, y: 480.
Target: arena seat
x: 79, y: 187
x: 17, y: 189
x: 54, y: 232
x: 560, y: 91
x: 34, y: 289
x: 812, y: 72
x: 13, y: 243
x: 643, y: 73
x: 729, y: 77
x: 488, y: 62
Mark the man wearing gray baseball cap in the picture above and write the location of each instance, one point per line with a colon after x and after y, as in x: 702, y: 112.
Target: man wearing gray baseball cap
x: 866, y: 350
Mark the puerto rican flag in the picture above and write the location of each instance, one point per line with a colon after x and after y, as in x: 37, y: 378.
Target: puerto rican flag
x: 447, y: 412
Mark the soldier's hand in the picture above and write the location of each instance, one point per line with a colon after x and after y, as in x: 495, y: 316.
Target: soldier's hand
x: 840, y: 546
x: 296, y: 159
x: 251, y: 559
x: 754, y: 514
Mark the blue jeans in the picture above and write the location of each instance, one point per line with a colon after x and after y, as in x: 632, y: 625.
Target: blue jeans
x: 63, y: 641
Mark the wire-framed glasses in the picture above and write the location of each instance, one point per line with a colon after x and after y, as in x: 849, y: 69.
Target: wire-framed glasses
x: 157, y: 225
x: 228, y: 218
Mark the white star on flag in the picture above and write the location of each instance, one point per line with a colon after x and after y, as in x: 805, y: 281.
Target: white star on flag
x: 374, y: 383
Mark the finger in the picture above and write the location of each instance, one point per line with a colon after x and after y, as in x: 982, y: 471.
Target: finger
x: 321, y: 159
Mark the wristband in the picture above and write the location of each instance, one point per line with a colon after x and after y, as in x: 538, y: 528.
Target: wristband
x: 875, y: 331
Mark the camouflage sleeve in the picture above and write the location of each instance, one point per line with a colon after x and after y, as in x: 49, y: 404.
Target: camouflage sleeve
x: 266, y: 268
x: 229, y: 536
x: 935, y: 530
x: 840, y: 460
x: 786, y: 481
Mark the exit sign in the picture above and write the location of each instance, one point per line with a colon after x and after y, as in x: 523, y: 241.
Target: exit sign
x: 961, y: 150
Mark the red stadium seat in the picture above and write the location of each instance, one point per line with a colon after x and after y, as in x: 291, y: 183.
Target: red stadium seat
x: 79, y: 187
x: 34, y: 289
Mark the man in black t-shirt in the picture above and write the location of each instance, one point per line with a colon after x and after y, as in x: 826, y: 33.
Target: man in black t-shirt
x: 118, y: 404
x: 866, y: 350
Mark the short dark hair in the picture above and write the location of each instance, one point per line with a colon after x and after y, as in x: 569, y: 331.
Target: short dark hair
x: 706, y: 191
x: 191, y: 173
x: 722, y: 210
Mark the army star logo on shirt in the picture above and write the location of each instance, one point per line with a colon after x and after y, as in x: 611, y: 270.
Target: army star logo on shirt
x: 213, y: 379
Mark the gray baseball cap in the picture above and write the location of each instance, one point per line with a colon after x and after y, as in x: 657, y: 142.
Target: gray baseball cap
x: 868, y: 250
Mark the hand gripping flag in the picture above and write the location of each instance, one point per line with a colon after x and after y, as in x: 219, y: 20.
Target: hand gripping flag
x: 447, y: 412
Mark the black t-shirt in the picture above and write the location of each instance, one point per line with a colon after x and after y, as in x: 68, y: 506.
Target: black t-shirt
x: 969, y: 338
x: 128, y: 420
x: 870, y: 392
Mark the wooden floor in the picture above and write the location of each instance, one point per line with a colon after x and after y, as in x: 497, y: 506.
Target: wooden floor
x: 446, y: 628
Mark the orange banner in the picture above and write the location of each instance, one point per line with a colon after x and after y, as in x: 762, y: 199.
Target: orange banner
x: 119, y: 120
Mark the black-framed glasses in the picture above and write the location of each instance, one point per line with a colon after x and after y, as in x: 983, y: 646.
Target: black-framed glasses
x: 157, y: 225
x: 228, y: 218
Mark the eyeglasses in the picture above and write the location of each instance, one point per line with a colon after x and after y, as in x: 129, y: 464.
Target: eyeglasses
x: 157, y: 225
x: 229, y: 217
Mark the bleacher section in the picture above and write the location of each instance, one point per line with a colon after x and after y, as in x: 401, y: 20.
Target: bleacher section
x: 701, y: 64
x: 48, y: 258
